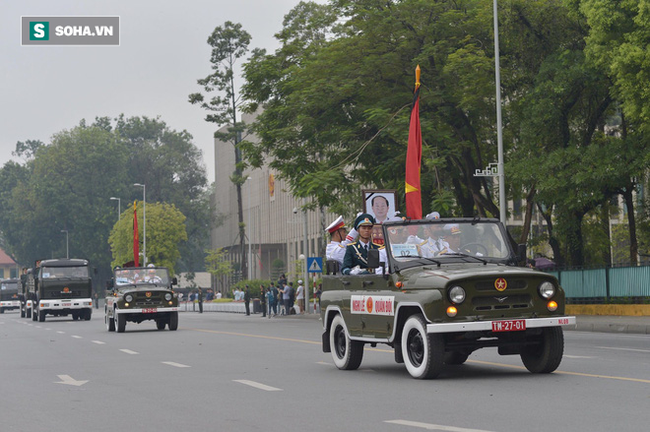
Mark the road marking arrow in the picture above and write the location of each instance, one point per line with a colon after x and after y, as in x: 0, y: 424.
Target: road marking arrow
x: 68, y: 380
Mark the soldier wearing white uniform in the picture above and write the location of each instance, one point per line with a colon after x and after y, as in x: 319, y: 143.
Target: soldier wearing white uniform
x: 431, y: 246
x: 339, y: 240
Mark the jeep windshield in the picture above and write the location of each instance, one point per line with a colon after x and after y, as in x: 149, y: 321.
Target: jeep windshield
x: 446, y: 241
x: 141, y: 276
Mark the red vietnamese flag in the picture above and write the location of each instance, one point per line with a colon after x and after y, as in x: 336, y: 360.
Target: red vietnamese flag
x: 414, y: 156
x: 136, y: 237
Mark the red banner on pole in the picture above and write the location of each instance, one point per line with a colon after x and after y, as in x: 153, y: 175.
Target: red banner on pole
x: 136, y: 237
x: 414, y: 156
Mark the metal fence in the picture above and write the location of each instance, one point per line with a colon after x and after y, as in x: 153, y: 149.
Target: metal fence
x: 605, y: 283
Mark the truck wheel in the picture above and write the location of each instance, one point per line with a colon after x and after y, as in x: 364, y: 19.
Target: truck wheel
x: 109, y: 321
x: 160, y: 324
x: 34, y: 315
x: 22, y: 312
x: 41, y: 316
x: 423, y: 353
x: 456, y: 357
x: 173, y: 321
x: 2, y: 310
x: 88, y: 313
x: 120, y: 320
x: 75, y: 316
x: 546, y: 355
x: 347, y: 354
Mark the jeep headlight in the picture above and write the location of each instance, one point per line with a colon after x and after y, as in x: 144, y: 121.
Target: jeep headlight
x: 457, y: 294
x: 168, y: 296
x: 546, y: 290
x: 128, y: 298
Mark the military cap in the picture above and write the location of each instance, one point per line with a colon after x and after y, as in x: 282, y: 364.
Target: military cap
x: 432, y: 216
x: 364, y: 219
x: 336, y: 225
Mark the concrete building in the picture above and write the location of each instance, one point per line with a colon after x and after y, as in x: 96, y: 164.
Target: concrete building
x: 275, y: 224
x: 9, y: 269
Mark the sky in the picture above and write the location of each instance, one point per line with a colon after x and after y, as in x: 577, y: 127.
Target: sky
x: 163, y: 51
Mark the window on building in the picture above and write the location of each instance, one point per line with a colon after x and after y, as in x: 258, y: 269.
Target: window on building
x: 516, y: 209
x: 13, y: 273
x: 2, y: 273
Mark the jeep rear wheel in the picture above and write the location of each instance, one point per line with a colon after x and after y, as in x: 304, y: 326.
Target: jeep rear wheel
x: 423, y: 353
x: 173, y: 321
x: 347, y: 354
x: 546, y: 355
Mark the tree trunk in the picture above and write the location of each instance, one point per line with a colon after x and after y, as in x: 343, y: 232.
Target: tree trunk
x: 529, y: 215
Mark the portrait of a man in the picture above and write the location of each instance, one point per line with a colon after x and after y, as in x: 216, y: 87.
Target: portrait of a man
x: 380, y: 204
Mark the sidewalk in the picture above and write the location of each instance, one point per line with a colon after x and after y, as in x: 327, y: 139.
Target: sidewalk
x: 590, y: 323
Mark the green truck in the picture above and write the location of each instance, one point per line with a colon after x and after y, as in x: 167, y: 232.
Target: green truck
x: 60, y: 287
x: 449, y: 287
x: 9, y: 295
x: 139, y: 294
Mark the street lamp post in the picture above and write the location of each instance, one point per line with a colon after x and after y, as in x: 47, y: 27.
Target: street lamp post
x: 248, y: 228
x: 119, y: 207
x: 144, y: 224
x: 497, y: 75
x: 67, y: 249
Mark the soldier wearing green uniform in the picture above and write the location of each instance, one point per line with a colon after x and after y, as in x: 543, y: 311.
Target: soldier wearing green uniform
x: 356, y: 253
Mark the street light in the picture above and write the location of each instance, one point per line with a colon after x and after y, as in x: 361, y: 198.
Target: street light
x: 119, y: 207
x: 67, y: 250
x: 497, y: 76
x: 144, y: 225
x: 250, y: 261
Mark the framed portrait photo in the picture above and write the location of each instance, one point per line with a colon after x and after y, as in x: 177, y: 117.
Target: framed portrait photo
x: 381, y: 204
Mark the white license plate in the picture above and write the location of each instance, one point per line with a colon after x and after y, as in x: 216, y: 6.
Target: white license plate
x: 66, y: 304
x: 510, y: 325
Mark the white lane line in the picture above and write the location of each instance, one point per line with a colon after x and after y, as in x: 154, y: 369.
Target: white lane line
x: 324, y: 363
x: 576, y: 357
x: 625, y: 349
x: 38, y: 327
x: 60, y: 332
x: 77, y: 337
x: 178, y: 365
x: 257, y: 385
x: 434, y: 427
x: 99, y: 342
x: 128, y: 351
x: 48, y: 328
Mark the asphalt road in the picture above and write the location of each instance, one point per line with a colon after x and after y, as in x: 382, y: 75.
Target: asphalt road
x: 229, y: 372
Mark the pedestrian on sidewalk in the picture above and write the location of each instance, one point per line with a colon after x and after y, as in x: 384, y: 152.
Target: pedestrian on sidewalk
x: 263, y: 300
x: 247, y: 299
x: 300, y: 297
x: 200, y: 297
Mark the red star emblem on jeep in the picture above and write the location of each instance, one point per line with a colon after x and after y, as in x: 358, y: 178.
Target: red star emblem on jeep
x: 500, y: 284
x: 148, y: 294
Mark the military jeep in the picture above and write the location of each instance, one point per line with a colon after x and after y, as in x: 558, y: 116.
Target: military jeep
x: 139, y: 294
x: 450, y: 287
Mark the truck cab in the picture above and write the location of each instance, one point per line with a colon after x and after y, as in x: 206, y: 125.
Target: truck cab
x: 62, y: 287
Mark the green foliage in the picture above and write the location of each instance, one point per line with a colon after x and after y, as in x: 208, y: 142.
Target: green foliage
x: 165, y: 231
x: 216, y: 263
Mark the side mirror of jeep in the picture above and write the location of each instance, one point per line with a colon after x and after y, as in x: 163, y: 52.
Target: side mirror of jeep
x: 174, y: 281
x: 373, y: 258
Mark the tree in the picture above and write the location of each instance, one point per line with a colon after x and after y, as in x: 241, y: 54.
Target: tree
x: 165, y: 232
x: 216, y: 264
x: 229, y: 43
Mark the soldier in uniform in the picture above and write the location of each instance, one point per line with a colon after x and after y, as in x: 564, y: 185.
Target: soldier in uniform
x: 340, y: 238
x: 356, y: 253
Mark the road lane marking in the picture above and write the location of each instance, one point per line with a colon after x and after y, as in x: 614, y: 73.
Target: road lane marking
x: 624, y: 349
x: 98, y: 342
x: 576, y: 357
x: 68, y: 380
x: 48, y: 328
x: 434, y: 427
x: 257, y: 385
x: 60, y: 332
x: 38, y: 327
x: 77, y: 337
x: 128, y: 351
x: 390, y: 351
x: 563, y: 372
x: 324, y: 363
x: 178, y: 365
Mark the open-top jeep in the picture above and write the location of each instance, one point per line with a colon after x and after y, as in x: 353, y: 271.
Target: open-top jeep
x: 449, y: 288
x: 139, y: 294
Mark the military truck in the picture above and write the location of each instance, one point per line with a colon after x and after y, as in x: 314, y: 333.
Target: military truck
x: 138, y: 294
x: 450, y: 287
x: 62, y: 287
x: 9, y: 299
x: 27, y: 293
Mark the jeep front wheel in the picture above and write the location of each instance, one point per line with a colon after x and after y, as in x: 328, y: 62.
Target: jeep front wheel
x: 545, y: 356
x: 109, y: 321
x: 173, y: 321
x: 120, y: 320
x: 423, y: 353
x: 347, y: 354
